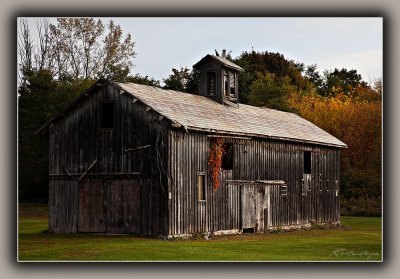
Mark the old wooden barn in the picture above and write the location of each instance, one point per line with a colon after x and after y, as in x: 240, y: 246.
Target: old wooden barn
x: 130, y: 158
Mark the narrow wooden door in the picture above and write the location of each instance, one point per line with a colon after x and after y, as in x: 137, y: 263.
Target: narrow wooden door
x: 91, y: 206
x: 248, y: 207
x: 255, y: 207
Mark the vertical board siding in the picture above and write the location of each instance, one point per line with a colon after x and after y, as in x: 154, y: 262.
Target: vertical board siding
x: 163, y: 198
x: 254, y: 159
x: 77, y: 139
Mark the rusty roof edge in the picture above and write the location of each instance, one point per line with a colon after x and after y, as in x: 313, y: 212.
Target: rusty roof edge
x: 266, y: 136
x: 116, y: 84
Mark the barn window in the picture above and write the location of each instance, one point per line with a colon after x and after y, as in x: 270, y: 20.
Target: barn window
x: 307, y: 162
x: 232, y: 84
x: 226, y: 83
x: 227, y: 158
x: 211, y: 83
x: 107, y: 115
x: 201, y: 186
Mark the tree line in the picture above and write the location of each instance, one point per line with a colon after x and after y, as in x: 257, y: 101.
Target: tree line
x: 70, y: 55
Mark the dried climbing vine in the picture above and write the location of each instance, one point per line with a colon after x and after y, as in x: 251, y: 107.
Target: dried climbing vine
x: 215, y: 161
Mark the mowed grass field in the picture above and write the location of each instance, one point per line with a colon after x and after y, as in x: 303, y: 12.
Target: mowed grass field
x: 358, y: 240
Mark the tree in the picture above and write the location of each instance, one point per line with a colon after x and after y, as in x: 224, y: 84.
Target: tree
x: 314, y: 77
x: 344, y: 81
x: 146, y: 80
x: 268, y: 91
x: 81, y: 49
x: 357, y: 123
x: 260, y: 63
x: 77, y: 47
x: 25, y: 50
x: 183, y: 80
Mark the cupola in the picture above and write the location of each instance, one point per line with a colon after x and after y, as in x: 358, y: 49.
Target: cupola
x: 219, y: 78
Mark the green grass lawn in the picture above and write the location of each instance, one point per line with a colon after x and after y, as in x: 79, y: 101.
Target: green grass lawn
x: 359, y: 240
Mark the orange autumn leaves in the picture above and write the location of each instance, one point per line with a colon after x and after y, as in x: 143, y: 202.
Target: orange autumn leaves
x: 215, y: 161
x: 355, y: 122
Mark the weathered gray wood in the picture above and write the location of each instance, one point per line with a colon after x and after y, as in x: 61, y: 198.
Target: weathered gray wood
x: 158, y: 187
x: 91, y: 206
x: 256, y: 163
x: 77, y: 139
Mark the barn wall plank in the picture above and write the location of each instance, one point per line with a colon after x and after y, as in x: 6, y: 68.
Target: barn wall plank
x: 253, y: 159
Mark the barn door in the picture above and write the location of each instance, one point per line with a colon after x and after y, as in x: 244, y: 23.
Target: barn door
x: 255, y: 211
x: 248, y: 207
x: 123, y: 206
x: 91, y: 206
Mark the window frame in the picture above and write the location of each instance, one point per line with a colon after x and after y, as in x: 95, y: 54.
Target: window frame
x: 226, y: 83
x: 204, y: 188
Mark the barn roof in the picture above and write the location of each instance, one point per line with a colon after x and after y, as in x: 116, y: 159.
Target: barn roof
x: 222, y: 60
x: 196, y: 112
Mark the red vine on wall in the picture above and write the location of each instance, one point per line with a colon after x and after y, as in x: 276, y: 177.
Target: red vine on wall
x: 215, y: 160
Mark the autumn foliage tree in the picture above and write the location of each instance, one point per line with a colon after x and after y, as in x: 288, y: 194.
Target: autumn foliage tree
x: 357, y: 121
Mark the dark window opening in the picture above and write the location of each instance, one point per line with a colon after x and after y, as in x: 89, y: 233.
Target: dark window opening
x: 227, y: 157
x: 226, y: 83
x: 201, y: 187
x: 248, y: 230
x: 107, y: 115
x: 211, y: 83
x: 307, y: 162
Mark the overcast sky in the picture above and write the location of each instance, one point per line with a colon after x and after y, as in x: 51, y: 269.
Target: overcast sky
x: 166, y: 43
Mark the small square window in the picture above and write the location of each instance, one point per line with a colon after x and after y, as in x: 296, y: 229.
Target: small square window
x: 201, y: 186
x: 227, y: 158
x: 107, y: 115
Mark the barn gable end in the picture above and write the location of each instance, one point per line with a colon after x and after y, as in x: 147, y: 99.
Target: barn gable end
x: 122, y: 160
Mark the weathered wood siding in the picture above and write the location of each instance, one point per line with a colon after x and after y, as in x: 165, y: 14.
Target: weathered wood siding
x: 254, y: 159
x: 215, y: 67
x: 77, y: 140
